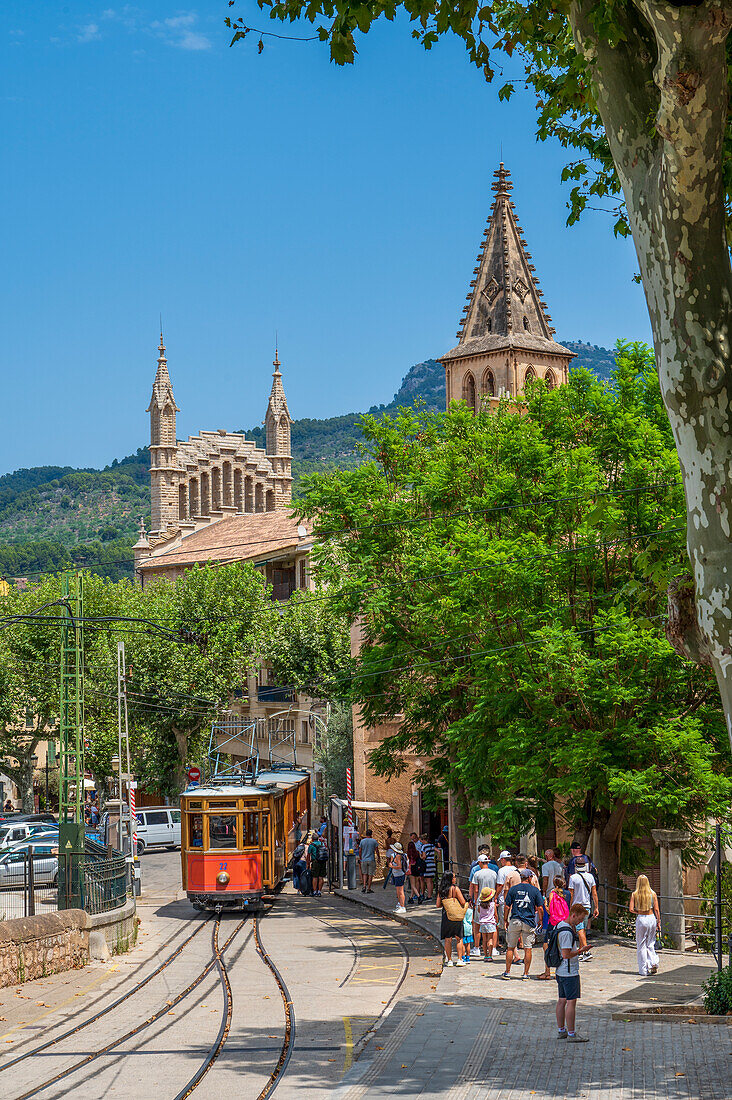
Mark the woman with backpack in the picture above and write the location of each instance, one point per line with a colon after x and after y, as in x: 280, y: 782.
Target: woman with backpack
x: 644, y: 903
x: 317, y: 862
x: 454, y: 907
x: 558, y: 910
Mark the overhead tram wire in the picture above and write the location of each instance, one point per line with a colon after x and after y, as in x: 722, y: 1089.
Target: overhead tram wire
x: 331, y: 597
x: 648, y: 487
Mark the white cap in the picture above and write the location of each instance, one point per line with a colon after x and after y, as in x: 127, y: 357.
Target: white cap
x: 505, y: 855
x: 482, y: 858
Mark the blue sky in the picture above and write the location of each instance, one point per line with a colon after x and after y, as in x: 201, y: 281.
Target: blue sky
x: 149, y: 168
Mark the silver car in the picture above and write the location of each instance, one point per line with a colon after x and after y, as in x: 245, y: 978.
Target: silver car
x: 45, y: 862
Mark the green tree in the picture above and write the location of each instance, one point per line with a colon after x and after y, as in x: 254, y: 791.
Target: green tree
x: 307, y: 646
x: 334, y: 752
x: 509, y: 572
x: 639, y: 90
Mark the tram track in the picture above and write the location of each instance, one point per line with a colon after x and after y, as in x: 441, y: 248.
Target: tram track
x: 216, y: 961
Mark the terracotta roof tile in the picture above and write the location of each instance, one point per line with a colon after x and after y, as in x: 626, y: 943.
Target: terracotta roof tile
x: 235, y: 538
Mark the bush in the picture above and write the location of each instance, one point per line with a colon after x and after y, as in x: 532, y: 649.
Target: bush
x: 718, y: 992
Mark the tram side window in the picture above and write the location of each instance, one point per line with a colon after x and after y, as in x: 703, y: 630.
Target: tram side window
x: 251, y: 830
x: 222, y: 831
x: 195, y: 830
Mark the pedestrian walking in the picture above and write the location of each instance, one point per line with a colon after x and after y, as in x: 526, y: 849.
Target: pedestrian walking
x: 550, y: 869
x: 443, y: 844
x: 524, y: 904
x: 487, y: 931
x: 454, y: 907
x: 468, y: 937
x: 576, y: 853
x: 507, y: 876
x: 483, y: 876
x: 568, y: 976
x: 389, y: 853
x: 430, y: 867
x: 398, y: 868
x: 317, y: 862
x: 557, y: 910
x: 416, y: 871
x: 368, y: 854
x: 583, y: 891
x: 644, y: 903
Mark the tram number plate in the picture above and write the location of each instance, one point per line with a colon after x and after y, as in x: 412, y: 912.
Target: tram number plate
x: 223, y: 866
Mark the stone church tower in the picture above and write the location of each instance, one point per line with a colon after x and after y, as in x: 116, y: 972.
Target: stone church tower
x: 163, y: 448
x: 207, y: 477
x: 506, y: 336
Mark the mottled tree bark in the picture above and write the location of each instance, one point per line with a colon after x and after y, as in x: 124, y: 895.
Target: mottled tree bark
x: 662, y: 95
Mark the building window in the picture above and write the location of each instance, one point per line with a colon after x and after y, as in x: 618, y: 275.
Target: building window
x: 304, y: 733
x: 526, y: 324
x: 489, y: 383
x: 270, y: 500
x: 303, y: 574
x: 550, y: 380
x: 529, y: 376
x: 469, y: 390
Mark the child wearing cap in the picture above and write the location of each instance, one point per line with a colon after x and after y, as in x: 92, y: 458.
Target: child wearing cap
x: 488, y: 934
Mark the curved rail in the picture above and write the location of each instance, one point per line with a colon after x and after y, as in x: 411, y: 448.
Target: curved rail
x: 115, y: 1004
x: 224, y: 1027
x: 145, y: 1023
x: 287, y: 1043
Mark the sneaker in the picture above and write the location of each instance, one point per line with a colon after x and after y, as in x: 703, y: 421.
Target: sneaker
x: 369, y: 891
x: 475, y: 954
x: 363, y: 889
x: 506, y: 977
x: 496, y: 953
x: 577, y: 1038
x: 562, y: 1034
x: 461, y: 962
x: 525, y: 977
x: 400, y: 909
x: 448, y: 962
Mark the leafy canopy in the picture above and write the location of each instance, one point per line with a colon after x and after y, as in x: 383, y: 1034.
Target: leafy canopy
x: 509, y: 573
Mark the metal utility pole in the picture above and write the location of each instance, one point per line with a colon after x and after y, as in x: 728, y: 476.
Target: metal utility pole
x: 127, y: 837
x: 71, y: 738
x: 718, y: 897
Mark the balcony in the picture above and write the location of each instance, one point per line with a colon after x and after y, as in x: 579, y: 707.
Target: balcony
x: 270, y: 693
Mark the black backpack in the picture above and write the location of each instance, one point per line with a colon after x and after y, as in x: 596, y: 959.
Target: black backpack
x: 553, y: 957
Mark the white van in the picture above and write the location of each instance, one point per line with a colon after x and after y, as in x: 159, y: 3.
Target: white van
x: 12, y: 832
x: 158, y: 825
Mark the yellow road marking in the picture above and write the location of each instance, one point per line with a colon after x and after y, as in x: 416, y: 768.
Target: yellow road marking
x: 348, y: 1059
x: 372, y: 981
x: 67, y: 1001
x: 394, y: 967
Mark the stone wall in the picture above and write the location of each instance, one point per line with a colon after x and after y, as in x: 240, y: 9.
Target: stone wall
x: 34, y: 947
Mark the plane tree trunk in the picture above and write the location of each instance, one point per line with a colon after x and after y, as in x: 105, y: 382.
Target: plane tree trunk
x: 670, y: 68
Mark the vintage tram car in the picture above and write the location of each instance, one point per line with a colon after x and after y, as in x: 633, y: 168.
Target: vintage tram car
x: 237, y: 838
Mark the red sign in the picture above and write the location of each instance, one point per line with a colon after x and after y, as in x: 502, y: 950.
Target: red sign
x: 194, y: 775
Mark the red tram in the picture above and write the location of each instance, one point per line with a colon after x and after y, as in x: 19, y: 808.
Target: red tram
x: 237, y: 837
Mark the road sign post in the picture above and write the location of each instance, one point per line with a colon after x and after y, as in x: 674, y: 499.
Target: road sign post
x: 194, y: 775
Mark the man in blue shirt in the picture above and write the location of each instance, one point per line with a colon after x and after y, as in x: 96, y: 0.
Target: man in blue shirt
x: 576, y: 852
x: 524, y: 913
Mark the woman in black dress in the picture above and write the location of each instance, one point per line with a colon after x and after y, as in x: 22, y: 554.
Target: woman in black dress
x: 453, y: 906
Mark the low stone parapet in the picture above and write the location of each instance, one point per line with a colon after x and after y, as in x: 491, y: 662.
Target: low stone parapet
x: 34, y: 947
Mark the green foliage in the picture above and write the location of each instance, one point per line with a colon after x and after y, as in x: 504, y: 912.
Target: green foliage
x: 307, y: 647
x: 335, y: 754
x: 510, y: 574
x: 718, y: 992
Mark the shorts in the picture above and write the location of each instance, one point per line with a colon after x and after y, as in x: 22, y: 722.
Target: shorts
x: 450, y: 929
x: 488, y: 927
x: 318, y: 868
x: 518, y: 930
x: 540, y: 935
x: 397, y: 877
x: 368, y: 866
x: 569, y: 987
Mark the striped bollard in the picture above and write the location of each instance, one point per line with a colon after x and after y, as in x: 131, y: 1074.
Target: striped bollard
x: 349, y: 797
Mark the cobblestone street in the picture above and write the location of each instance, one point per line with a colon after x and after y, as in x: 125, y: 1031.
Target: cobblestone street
x: 479, y: 1038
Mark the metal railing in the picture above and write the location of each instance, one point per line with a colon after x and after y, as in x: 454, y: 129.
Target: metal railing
x: 29, y: 881
x: 104, y: 884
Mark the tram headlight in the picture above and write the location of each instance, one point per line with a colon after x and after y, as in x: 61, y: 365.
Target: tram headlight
x: 222, y: 878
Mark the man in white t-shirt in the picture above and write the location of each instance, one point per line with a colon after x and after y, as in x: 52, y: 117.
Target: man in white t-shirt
x: 583, y: 891
x: 568, y: 977
x: 550, y: 869
x: 507, y: 873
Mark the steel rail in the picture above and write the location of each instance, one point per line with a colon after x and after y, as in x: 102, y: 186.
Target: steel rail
x: 145, y: 1023
x: 115, y: 1004
x: 288, y: 1042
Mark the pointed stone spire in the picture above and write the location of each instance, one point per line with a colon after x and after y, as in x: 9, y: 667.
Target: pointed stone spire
x: 142, y: 539
x: 162, y: 392
x: 277, y: 409
x: 504, y: 298
x: 163, y: 448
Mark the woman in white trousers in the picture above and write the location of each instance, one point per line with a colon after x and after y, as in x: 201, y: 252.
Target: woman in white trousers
x: 644, y: 903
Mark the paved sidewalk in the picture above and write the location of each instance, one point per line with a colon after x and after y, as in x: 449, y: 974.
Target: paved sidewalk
x: 479, y: 1038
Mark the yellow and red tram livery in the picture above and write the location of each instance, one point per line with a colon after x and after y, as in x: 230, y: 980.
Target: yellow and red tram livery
x: 237, y: 838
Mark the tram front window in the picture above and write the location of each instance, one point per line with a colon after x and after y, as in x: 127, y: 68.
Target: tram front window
x: 251, y: 830
x: 222, y: 831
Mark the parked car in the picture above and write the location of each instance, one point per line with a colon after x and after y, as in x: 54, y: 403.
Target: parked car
x: 45, y: 862
x: 158, y: 825
x: 12, y: 832
x: 13, y: 817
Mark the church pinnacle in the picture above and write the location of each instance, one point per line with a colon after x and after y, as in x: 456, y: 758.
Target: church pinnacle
x: 504, y: 297
x: 277, y: 419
